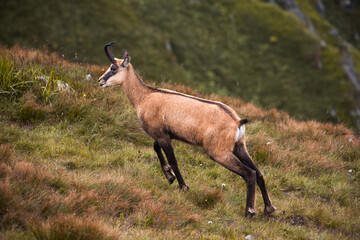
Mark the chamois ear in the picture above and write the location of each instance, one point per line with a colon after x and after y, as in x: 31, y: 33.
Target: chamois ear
x: 126, y: 58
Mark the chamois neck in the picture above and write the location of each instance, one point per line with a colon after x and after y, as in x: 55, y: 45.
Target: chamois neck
x: 134, y: 87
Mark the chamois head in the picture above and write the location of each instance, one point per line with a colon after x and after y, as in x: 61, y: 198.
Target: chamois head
x: 117, y: 71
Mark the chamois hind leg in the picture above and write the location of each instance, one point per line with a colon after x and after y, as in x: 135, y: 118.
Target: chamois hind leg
x: 230, y: 162
x: 169, y: 152
x: 241, y: 152
x: 165, y: 168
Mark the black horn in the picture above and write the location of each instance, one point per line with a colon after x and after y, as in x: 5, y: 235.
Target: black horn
x: 108, y: 52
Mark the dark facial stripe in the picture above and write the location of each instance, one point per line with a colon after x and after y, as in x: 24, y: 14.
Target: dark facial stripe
x: 221, y: 105
x: 109, y: 75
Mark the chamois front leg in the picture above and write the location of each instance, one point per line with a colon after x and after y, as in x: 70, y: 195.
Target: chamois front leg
x: 169, y: 152
x: 165, y: 168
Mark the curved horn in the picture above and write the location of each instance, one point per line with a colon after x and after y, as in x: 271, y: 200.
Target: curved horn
x: 108, y: 52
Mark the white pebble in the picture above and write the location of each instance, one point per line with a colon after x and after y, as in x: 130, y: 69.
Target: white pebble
x: 250, y: 237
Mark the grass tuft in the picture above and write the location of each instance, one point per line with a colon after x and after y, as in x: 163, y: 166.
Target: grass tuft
x: 69, y: 228
x: 6, y: 153
x: 13, y: 80
x: 206, y: 199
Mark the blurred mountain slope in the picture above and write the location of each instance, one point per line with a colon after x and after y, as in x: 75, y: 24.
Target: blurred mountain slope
x: 253, y: 50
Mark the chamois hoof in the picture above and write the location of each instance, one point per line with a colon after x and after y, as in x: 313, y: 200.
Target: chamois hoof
x: 169, y: 174
x: 171, y: 179
x: 250, y: 213
x: 269, y: 210
x: 184, y: 188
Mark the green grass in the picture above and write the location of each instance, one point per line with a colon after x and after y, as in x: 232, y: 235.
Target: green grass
x: 12, y: 80
x: 77, y: 166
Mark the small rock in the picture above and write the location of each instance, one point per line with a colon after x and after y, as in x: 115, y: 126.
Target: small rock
x: 333, y: 112
x: 44, y: 78
x: 63, y: 86
x: 322, y: 43
x: 168, y: 46
x: 320, y: 8
x: 88, y: 77
x: 250, y: 237
x: 333, y: 32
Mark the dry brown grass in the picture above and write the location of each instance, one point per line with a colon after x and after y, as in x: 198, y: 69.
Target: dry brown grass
x: 71, y: 227
x: 6, y: 153
x: 33, y: 198
x: 23, y: 55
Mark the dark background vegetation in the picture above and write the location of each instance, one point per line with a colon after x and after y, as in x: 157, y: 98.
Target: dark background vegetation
x: 251, y: 50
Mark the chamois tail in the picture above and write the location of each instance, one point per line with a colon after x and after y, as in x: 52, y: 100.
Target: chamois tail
x: 244, y: 121
x: 240, y: 132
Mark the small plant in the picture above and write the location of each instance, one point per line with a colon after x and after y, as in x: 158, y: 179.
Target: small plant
x: 13, y: 80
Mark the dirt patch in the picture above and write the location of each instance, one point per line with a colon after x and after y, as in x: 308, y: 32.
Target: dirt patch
x: 296, y: 220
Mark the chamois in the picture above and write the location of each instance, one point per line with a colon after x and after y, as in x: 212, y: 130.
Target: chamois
x: 167, y: 115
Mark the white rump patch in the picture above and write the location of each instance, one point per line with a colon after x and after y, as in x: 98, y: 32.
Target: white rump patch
x: 240, y: 132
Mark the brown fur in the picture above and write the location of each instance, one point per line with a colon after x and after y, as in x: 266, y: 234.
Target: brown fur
x: 166, y: 115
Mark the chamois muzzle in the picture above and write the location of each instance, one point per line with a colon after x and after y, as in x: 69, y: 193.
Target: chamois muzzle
x: 108, y: 52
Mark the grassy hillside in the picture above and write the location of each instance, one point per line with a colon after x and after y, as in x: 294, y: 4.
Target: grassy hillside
x: 76, y: 165
x: 248, y: 49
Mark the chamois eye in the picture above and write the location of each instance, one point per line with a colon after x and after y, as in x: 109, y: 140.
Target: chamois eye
x: 113, y: 68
